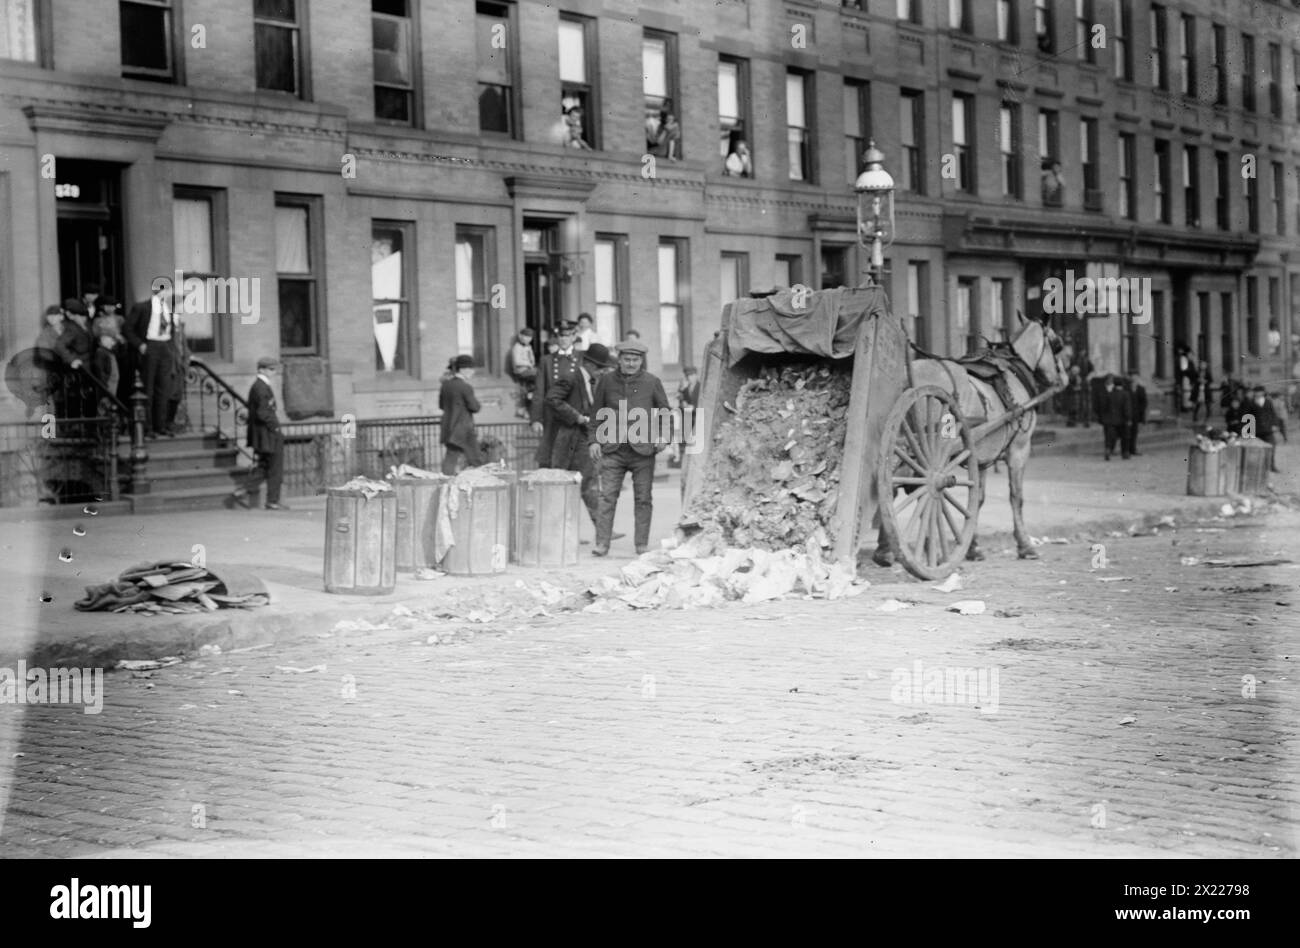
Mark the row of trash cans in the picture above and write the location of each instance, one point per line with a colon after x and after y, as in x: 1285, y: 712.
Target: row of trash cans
x: 472, y: 524
x: 1240, y: 467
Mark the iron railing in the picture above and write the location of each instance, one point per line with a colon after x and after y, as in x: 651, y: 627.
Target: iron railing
x: 58, y: 461
x: 213, y: 406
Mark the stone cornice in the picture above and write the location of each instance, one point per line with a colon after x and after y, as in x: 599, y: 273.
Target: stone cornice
x: 102, y: 123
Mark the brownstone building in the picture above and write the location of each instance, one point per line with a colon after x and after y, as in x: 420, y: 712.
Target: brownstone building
x: 400, y: 181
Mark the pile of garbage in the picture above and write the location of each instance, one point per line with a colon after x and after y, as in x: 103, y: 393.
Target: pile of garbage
x: 175, y: 587
x: 774, y: 468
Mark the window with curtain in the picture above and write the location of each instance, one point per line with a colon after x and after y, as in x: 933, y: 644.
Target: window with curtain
x: 918, y: 282
x: 475, y: 265
x: 966, y: 322
x: 18, y: 36
x: 193, y: 246
x: 857, y: 120
x: 1120, y: 31
x: 390, y: 279
x: 1191, y: 186
x: 296, y: 276
x: 1009, y: 146
x: 1008, y: 31
x: 577, y: 82
x: 145, y: 29
x: 911, y: 112
x: 663, y: 132
x: 798, y: 127
x: 611, y: 264
x: 393, y: 41
x: 963, y: 123
x: 496, y: 65
x: 277, y: 45
x: 672, y: 298
x: 733, y: 117
x: 789, y: 269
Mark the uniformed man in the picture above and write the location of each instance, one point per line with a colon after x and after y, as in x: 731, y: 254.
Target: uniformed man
x: 625, y: 434
x: 562, y: 364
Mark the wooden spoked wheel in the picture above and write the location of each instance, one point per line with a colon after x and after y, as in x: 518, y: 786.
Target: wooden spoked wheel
x: 928, y: 482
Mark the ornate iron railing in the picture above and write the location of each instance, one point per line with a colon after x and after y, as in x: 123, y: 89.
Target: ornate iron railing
x: 57, y: 460
x: 212, y: 405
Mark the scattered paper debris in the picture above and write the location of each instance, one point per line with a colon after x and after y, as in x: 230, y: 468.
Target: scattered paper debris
x: 894, y: 605
x: 1114, y: 579
x: 1189, y: 560
x: 968, y: 607
x: 210, y: 649
x: 146, y: 664
x: 951, y: 584
x: 294, y: 670
x: 1129, y: 720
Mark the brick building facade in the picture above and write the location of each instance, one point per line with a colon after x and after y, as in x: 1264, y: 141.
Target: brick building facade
x: 410, y: 179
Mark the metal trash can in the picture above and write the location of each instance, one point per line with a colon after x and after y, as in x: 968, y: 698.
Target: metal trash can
x: 548, y: 505
x: 1203, y: 478
x: 1230, y: 470
x: 360, y: 542
x: 476, y: 506
x: 417, y: 518
x: 511, y: 478
x: 1256, y: 461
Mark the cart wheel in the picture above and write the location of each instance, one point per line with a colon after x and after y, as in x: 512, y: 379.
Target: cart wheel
x: 928, y: 482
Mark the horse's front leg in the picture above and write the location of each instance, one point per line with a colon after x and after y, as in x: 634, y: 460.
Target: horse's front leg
x: 1017, y: 461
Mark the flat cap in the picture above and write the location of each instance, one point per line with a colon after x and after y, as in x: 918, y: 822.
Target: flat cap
x: 267, y: 362
x: 633, y: 345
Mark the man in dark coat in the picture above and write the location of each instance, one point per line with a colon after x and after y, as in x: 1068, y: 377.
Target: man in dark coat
x: 1115, y: 413
x: 627, y: 431
x: 458, y: 405
x: 561, y: 364
x: 570, y: 399
x: 1138, y: 394
x: 148, y: 331
x: 265, y: 439
x: 73, y: 347
x: 1268, y: 424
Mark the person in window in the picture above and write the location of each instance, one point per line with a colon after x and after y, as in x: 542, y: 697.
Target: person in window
x: 668, y: 140
x: 573, y: 125
x: 458, y: 405
x: 586, y: 331
x: 1044, y: 40
x: 738, y: 163
x: 1274, y: 338
x: 1053, y: 183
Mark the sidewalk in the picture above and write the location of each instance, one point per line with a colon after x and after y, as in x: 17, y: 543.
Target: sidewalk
x: 1064, y: 497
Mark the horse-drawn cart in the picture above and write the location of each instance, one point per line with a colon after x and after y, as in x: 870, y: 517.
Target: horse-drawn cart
x: 918, y: 433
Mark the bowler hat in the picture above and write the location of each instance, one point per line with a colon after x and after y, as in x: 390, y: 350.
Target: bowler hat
x: 463, y: 362
x: 633, y: 345
x: 598, y: 354
x: 75, y: 306
x: 267, y: 362
x: 104, y: 301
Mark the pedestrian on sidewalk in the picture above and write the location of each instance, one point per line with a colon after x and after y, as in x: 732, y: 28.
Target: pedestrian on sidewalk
x: 458, y: 405
x: 1268, y: 426
x: 1203, y: 394
x: 264, y: 438
x: 571, y: 400
x: 561, y: 364
x: 623, y: 438
x: 1116, y: 412
x: 1138, y: 395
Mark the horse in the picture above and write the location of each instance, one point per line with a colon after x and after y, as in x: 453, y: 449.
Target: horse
x: 1038, y: 347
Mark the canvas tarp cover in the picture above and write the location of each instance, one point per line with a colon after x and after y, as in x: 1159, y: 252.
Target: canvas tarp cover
x: 826, y: 324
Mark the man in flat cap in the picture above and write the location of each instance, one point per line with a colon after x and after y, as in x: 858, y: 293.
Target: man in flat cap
x: 570, y: 400
x: 265, y: 440
x: 561, y: 364
x: 625, y: 434
x: 458, y: 404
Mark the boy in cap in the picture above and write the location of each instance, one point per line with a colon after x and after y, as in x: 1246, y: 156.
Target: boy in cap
x: 458, y: 405
x: 522, y: 367
x: 622, y: 437
x: 265, y: 439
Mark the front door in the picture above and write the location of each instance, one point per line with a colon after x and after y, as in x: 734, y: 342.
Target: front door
x: 89, y: 228
x: 541, y: 285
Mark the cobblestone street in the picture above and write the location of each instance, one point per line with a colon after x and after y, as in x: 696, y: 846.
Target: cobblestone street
x: 1143, y: 709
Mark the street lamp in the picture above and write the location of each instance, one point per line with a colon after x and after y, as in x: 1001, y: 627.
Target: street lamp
x: 875, y: 190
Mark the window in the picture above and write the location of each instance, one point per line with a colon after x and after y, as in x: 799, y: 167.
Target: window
x: 1044, y: 27
x: 912, y: 118
x: 1083, y: 21
x: 1049, y: 135
x: 1275, y: 80
x: 1089, y: 160
x: 475, y: 267
x: 1122, y: 39
x: 857, y: 120
x: 199, y: 239
x: 1248, y: 72
x: 798, y: 119
x: 148, y: 42
x: 789, y: 269
x: 733, y: 116
x: 1219, y: 64
x: 1001, y: 310
x: 1161, y: 183
x: 1252, y: 315
x: 611, y: 286
x: 1159, y: 48
x: 1127, y: 194
x: 391, y: 272
x: 1132, y: 345
x: 578, y: 105
x: 496, y: 68
x: 963, y: 128
x: 1009, y: 146
x: 663, y: 132
x: 1191, y: 186
x: 1203, y: 327
x: 734, y: 276
x: 1158, y: 333
x: 959, y: 15
x: 1295, y: 75
x: 909, y: 10
x: 1187, y: 55
x: 1222, y: 219
x: 1008, y: 27
x: 673, y: 289
x: 277, y: 46
x: 1279, y: 199
x: 835, y: 266
x: 1227, y: 329
x: 297, y: 271
x: 22, y: 24
x: 1274, y: 298
x: 394, y: 54
x: 967, y: 318
x: 1250, y: 190
x: 918, y: 301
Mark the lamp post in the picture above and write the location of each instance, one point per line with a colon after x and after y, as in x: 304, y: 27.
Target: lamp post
x: 875, y: 191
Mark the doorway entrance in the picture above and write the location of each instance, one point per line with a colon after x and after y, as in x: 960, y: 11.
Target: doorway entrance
x: 542, y: 306
x: 89, y: 228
